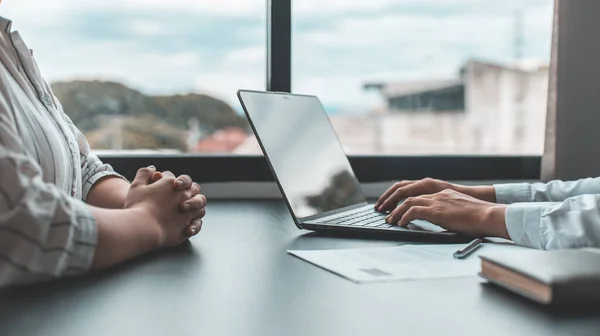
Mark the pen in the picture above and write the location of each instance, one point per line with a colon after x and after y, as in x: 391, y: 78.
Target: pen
x: 465, y: 251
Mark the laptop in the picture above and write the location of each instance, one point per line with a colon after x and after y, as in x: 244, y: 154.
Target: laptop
x: 312, y: 170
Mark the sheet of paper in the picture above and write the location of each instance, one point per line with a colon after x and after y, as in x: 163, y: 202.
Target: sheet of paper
x: 399, y: 263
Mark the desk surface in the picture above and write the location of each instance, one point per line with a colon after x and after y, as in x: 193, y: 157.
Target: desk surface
x: 235, y: 278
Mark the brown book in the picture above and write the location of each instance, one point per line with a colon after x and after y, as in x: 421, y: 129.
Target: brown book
x: 548, y: 277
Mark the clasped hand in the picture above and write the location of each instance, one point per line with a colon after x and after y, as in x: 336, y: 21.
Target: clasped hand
x: 175, y: 205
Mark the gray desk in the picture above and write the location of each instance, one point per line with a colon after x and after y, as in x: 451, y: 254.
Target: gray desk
x: 236, y: 279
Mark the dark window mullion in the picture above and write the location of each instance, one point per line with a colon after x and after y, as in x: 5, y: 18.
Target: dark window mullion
x: 279, y: 45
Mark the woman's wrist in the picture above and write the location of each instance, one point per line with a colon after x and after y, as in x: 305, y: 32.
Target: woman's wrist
x: 494, y: 221
x: 124, y: 234
x: 148, y: 227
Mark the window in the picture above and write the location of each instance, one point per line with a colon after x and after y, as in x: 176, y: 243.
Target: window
x: 149, y: 76
x: 154, y: 81
x: 431, y: 77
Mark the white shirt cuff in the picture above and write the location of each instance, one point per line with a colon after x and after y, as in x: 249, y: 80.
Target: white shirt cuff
x: 509, y: 193
x: 523, y: 224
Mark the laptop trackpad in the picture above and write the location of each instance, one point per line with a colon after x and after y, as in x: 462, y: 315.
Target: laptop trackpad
x: 423, y: 225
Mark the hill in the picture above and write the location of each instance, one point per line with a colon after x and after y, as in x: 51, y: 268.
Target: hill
x: 144, y: 121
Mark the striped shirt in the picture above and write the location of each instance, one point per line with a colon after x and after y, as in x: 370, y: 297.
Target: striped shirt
x: 46, y: 173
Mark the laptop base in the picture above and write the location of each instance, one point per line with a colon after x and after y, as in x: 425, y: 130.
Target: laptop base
x: 392, y: 235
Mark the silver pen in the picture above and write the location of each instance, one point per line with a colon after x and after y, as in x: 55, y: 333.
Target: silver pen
x: 468, y: 249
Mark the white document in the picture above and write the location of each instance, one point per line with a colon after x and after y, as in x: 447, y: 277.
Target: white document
x: 399, y: 263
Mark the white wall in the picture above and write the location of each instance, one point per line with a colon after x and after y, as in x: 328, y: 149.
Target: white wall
x: 506, y: 109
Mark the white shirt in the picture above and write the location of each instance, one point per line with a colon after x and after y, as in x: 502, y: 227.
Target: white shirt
x: 554, y: 215
x: 46, y: 172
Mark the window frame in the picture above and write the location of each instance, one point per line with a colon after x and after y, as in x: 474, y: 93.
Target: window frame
x: 244, y: 168
x: 241, y: 168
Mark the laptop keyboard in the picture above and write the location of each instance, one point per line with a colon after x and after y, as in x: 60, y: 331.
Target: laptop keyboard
x: 366, y: 217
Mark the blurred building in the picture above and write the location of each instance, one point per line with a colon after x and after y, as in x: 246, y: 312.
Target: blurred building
x: 488, y: 109
x: 222, y: 141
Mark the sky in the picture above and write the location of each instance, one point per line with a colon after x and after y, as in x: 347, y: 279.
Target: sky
x: 219, y: 46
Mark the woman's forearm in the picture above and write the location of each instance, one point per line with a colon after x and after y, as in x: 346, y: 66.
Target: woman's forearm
x: 485, y: 193
x: 122, y: 235
x: 109, y: 193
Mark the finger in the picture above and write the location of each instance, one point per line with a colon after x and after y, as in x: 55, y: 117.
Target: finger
x: 409, y: 190
x: 193, y: 228
x: 410, y: 202
x: 195, y: 189
x: 167, y: 182
x: 155, y: 177
x: 390, y: 191
x: 183, y: 182
x: 197, y: 202
x: 185, y: 195
x: 168, y: 173
x: 197, y: 186
x: 199, y: 214
x: 416, y: 212
x: 142, y: 177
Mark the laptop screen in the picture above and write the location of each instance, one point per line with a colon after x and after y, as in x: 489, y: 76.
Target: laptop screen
x: 303, y: 151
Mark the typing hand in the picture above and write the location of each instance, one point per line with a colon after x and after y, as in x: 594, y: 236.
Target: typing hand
x: 195, y: 202
x: 404, y: 189
x: 453, y: 211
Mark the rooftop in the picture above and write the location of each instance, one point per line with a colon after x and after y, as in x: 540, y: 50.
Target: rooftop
x: 409, y: 88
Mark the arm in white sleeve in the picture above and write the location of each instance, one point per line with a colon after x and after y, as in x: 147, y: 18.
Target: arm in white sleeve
x: 44, y: 233
x: 554, y: 191
x: 572, y: 223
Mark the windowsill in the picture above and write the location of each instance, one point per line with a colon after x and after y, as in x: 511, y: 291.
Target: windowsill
x: 270, y: 190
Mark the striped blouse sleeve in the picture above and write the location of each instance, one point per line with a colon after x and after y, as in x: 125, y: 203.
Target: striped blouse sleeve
x: 92, y: 168
x: 44, y: 233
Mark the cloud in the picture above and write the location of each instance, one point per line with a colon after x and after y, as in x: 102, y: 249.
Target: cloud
x: 345, y: 8
x: 222, y: 8
x: 141, y: 27
x: 243, y: 58
x: 225, y: 84
x: 211, y: 46
x: 404, y: 45
x: 338, y: 91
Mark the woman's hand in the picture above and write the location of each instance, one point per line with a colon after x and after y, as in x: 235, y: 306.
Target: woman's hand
x: 195, y: 204
x: 150, y: 218
x: 405, y: 189
x: 162, y: 203
x: 453, y: 211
